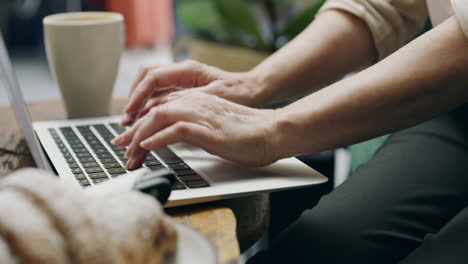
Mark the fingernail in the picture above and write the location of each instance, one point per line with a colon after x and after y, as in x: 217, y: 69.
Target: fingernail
x: 116, y: 140
x: 126, y: 118
x: 128, y: 153
x: 130, y: 163
x: 145, y: 144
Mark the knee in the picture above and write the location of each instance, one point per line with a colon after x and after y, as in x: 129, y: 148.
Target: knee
x: 331, y: 230
x: 324, y: 232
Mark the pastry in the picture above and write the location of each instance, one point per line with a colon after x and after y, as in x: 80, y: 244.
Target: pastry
x: 44, y: 221
x: 30, y: 235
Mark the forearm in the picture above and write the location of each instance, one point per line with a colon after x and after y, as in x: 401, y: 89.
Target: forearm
x: 333, y: 45
x: 418, y: 82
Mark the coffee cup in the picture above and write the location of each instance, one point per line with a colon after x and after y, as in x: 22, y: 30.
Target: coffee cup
x: 83, y: 51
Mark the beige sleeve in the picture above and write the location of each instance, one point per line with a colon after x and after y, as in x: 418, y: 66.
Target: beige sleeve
x: 460, y: 8
x: 391, y: 22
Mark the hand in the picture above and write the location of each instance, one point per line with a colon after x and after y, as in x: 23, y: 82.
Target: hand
x: 234, y: 132
x: 154, y: 85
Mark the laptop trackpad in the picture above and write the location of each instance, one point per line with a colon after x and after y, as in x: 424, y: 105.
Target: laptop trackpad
x: 219, y: 170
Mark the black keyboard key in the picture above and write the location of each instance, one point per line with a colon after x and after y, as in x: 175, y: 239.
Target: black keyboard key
x: 117, y: 148
x: 93, y: 170
x: 66, y: 155
x: 77, y: 145
x: 70, y: 160
x: 120, y: 152
x: 76, y: 171
x: 96, y: 181
x: 84, y: 182
x: 166, y: 155
x: 73, y: 165
x: 97, y: 175
x: 179, y: 166
x: 150, y: 157
x: 83, y: 155
x: 197, y: 184
x: 83, y: 129
x: 117, y: 171
x: 104, y: 155
x: 108, y: 160
x: 90, y: 164
x: 64, y: 150
x: 80, y: 176
x: 103, y: 131
x: 97, y: 146
x: 117, y: 128
x: 100, y: 150
x: 155, y: 167
x: 74, y: 141
x: 190, y: 178
x: 178, y: 186
x: 80, y: 150
x: 152, y: 162
x: 112, y: 165
x: 185, y: 172
x: 100, y: 127
x: 91, y: 137
x: 94, y: 142
x: 86, y: 159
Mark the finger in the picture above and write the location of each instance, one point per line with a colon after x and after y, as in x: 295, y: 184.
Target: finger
x: 185, y: 74
x: 129, y: 119
x: 158, y: 119
x: 136, y: 160
x: 154, y: 102
x: 126, y: 137
x: 181, y: 132
x: 159, y: 97
x: 141, y: 75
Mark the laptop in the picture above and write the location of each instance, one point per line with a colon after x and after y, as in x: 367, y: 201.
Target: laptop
x: 80, y: 153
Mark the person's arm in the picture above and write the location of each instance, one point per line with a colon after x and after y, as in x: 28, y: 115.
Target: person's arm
x: 425, y: 78
x: 345, y: 35
x: 335, y: 44
x: 317, y: 57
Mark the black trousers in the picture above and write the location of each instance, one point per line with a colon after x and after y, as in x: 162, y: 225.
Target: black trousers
x: 408, y: 205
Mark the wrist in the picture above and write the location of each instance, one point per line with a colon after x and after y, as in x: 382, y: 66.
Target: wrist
x: 283, y: 136
x: 263, y: 80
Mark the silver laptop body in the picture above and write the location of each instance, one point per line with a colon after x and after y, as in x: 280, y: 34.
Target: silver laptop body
x: 78, y: 151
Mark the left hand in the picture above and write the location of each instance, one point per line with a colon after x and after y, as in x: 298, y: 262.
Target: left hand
x: 234, y: 132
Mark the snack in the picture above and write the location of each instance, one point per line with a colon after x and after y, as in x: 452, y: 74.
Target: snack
x: 44, y: 221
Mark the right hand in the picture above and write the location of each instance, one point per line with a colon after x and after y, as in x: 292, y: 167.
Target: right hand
x: 155, y: 85
x: 244, y: 135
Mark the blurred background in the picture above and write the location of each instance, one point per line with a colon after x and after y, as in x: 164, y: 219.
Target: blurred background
x: 234, y: 35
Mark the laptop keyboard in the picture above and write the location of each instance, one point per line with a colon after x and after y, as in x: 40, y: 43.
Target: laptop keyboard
x: 93, y: 159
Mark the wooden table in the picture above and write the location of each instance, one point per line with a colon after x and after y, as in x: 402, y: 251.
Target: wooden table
x: 215, y: 221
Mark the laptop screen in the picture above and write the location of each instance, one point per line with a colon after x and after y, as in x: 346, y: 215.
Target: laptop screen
x: 17, y: 101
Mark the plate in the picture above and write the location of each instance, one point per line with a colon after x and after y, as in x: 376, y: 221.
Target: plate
x: 192, y: 248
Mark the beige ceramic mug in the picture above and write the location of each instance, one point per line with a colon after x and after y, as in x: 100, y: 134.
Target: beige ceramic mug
x: 83, y: 51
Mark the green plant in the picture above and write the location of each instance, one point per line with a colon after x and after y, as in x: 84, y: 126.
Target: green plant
x: 235, y: 21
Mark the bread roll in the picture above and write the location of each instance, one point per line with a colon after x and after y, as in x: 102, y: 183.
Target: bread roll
x: 28, y: 232
x: 52, y: 223
x: 137, y: 225
x: 66, y: 210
